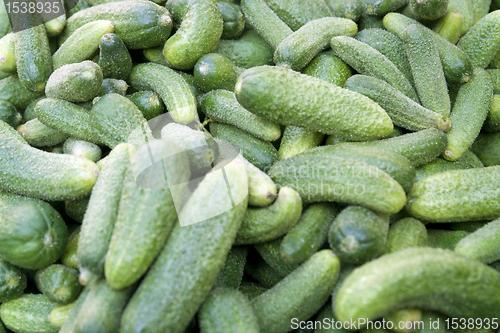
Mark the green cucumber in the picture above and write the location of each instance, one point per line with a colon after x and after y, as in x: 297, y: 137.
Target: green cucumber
x: 296, y: 140
x: 482, y: 244
x: 327, y: 319
x: 13, y: 91
x: 101, y: 311
x: 450, y: 26
x: 78, y: 82
x: 427, y: 70
x: 441, y: 280
x: 315, y: 183
x: 140, y: 24
x: 9, y: 114
x: 299, y: 295
x: 260, y: 153
x: 8, y: 53
x: 310, y: 233
x: 468, y: 226
x: 456, y: 64
x: 482, y: 41
x: 298, y: 49
x: 233, y: 20
x: 369, y: 22
x: 215, y: 71
x: 12, y: 281
x: 113, y: 86
x: 495, y: 77
x: 271, y: 253
x: 172, y: 88
x: 253, y: 36
x: 367, y: 60
x: 149, y: 103
x: 419, y: 147
x: 480, y: 9
x: 269, y: 223
x: 102, y: 210
x: 408, y: 316
x: 328, y: 67
x: 222, y: 106
x: 40, y: 135
x: 440, y: 165
x: 60, y: 313
x: 469, y: 113
x: 10, y: 134
x: 82, y: 148
x: 445, y: 239
x: 58, y: 283
x: 349, y: 9
x: 403, y: 111
x: 406, y: 233
x: 295, y: 99
x: 28, y: 313
x: 245, y: 54
x: 227, y: 310
x: 55, y: 27
x: 69, y: 257
x: 382, y: 7
x: 265, y: 21
x: 114, y: 58
x: 465, y: 9
x: 33, y: 58
x: 200, y: 28
x: 191, y: 258
x: 5, y: 27
x: 76, y: 208
x: 155, y: 54
x: 358, y: 235
x: 486, y: 148
x: 456, y: 196
x: 264, y: 274
x: 69, y: 324
x: 251, y: 289
x: 82, y: 44
x: 429, y: 9
x: 29, y: 112
x: 297, y: 13
x: 492, y: 122
x: 231, y: 274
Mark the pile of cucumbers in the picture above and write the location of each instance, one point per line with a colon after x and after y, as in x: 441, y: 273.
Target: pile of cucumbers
x: 250, y: 166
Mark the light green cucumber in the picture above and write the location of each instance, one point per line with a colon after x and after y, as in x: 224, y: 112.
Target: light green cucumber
x: 39, y: 135
x: 192, y: 257
x: 298, y: 49
x: 349, y: 9
x: 464, y: 7
x: 480, y: 9
x: 429, y: 9
x: 297, y: 13
x: 406, y: 233
x: 482, y: 244
x: 482, y: 41
x: 231, y: 274
x: 55, y: 27
x: 58, y: 283
x: 60, y: 313
x: 299, y: 295
x: 310, y: 233
x: 8, y: 53
x: 215, y: 71
x: 13, y: 91
x: 149, y: 103
x: 69, y: 257
x: 227, y: 310
x: 441, y: 281
x: 351, y: 182
x: 469, y: 113
x: 82, y: 148
x: 456, y: 196
x: 114, y: 58
x: 264, y: 20
x: 378, y: 8
x: 200, y: 28
x: 222, y: 106
x: 427, y: 70
x: 28, y: 313
x: 271, y: 254
x: 101, y: 213
x: 495, y: 77
x: 82, y: 44
x: 245, y: 54
x: 328, y: 67
x: 233, y: 20
x: 486, y: 148
x: 403, y: 111
x: 269, y: 223
x: 113, y: 86
x: 450, y: 26
x: 13, y: 281
x: 440, y: 165
x: 296, y: 140
x: 171, y: 87
x: 295, y: 99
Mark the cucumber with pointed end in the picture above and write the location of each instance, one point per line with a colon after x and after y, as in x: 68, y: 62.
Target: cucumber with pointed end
x: 12, y: 281
x: 58, y: 283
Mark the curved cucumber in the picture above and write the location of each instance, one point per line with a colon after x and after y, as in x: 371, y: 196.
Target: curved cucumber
x: 296, y: 140
x: 28, y: 313
x: 58, y: 283
x: 406, y: 233
x: 482, y: 243
x: 450, y: 26
x: 297, y: 13
x: 40, y: 135
x: 328, y: 67
x: 12, y: 281
x: 441, y: 280
x: 245, y: 53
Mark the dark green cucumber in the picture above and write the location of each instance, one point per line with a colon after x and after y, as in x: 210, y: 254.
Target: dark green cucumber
x: 406, y: 233
x: 58, y: 283
x: 310, y: 233
x: 271, y: 254
x: 40, y: 135
x: 450, y: 26
x: 299, y: 295
x: 227, y: 310
x: 251, y: 289
x: 296, y: 140
x: 468, y: 226
x: 78, y: 82
x: 382, y: 7
x: 445, y: 239
x: 69, y: 257
x: 191, y: 259
x: 465, y: 9
x: 9, y: 114
x: 76, y: 208
x: 441, y: 280
x: 215, y: 71
x: 370, y: 22
x: 231, y: 274
x: 403, y: 111
x: 140, y: 24
x: 349, y: 9
x: 13, y: 91
x: 33, y: 58
x: 149, y: 103
x: 481, y: 244
x: 328, y: 67
x: 486, y: 148
x: 233, y: 20
x: 264, y: 274
x: 245, y: 54
x: 492, y: 122
x: 28, y: 313
x: 12, y: 281
x: 60, y: 313
x: 295, y: 99
x: 297, y: 13
x: 429, y: 9
x: 456, y: 196
x: 113, y: 86
x: 114, y: 58
x: 172, y: 88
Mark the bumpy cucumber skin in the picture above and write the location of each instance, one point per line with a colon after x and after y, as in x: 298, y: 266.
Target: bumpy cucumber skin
x: 171, y: 87
x: 191, y: 261
x: 234, y: 21
x: 82, y: 44
x: 328, y: 67
x: 299, y: 295
x: 264, y: 274
x: 200, y: 29
x: 480, y: 9
x: 403, y: 111
x: 440, y: 165
x: 70, y: 322
x: 427, y: 70
x: 271, y: 254
x: 13, y: 91
x: 231, y: 274
x: 269, y: 223
x: 139, y: 24
x: 445, y: 239
x: 60, y: 313
x: 58, y: 283
x: 69, y: 257
x: 486, y: 148
x: 349, y: 9
x: 406, y: 233
x: 449, y: 27
x: 492, y: 122
x: 245, y: 54
x: 114, y: 58
x: 29, y: 112
x: 76, y: 208
x: 222, y: 106
x: 215, y: 71
x: 482, y: 244
x: 469, y: 113
x: 149, y: 103
x: 295, y: 99
x: 367, y: 60
x: 9, y: 114
x: 227, y: 310
x: 265, y: 21
x: 82, y: 148
x: 113, y: 86
x: 456, y: 196
x: 297, y: 13
x: 5, y: 27
x: 39, y: 135
x: 12, y: 281
x: 33, y: 58
x: 378, y: 8
x: 309, y: 234
x: 465, y: 9
x: 380, y: 192
x: 296, y: 140
x: 8, y: 53
x: 28, y: 313
x: 441, y: 280
x: 429, y: 10
x: 298, y: 49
